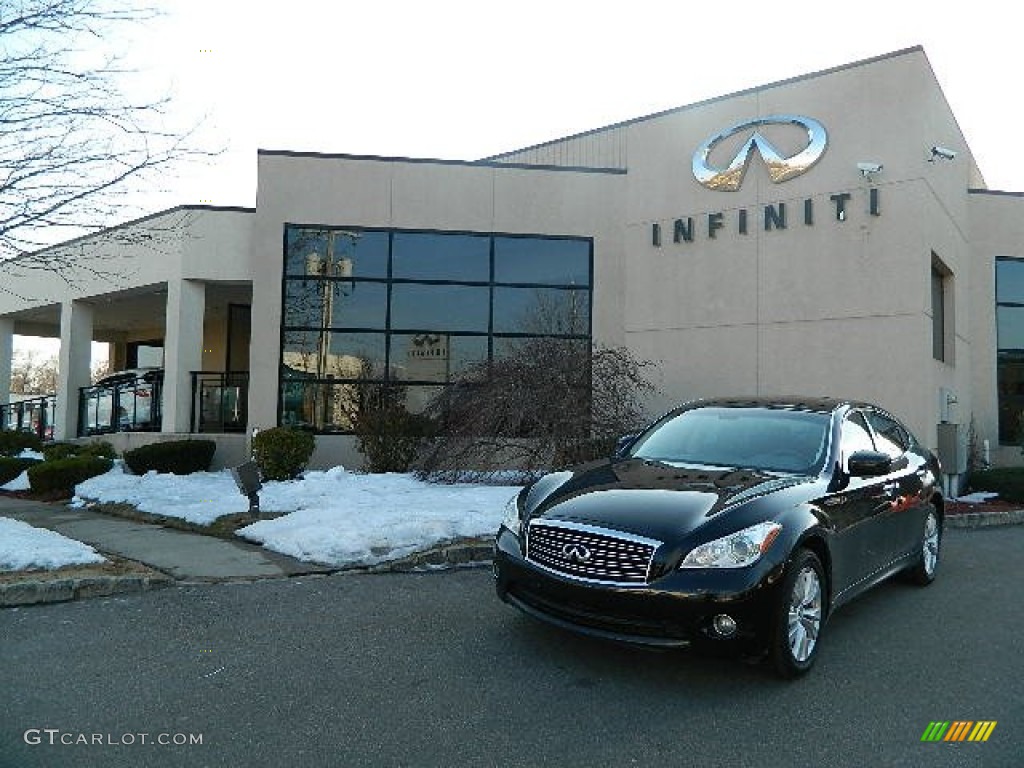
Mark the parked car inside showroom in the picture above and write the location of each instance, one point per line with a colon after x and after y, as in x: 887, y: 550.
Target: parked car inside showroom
x: 728, y: 523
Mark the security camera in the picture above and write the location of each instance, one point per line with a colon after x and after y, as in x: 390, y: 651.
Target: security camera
x: 867, y: 169
x: 943, y: 152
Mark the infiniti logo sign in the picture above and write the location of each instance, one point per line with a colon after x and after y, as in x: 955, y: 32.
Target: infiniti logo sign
x: 780, y: 168
x: 576, y: 553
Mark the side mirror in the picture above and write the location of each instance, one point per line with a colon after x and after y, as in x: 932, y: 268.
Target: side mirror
x: 870, y: 464
x: 623, y: 444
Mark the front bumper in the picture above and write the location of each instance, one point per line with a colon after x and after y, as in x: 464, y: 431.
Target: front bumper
x: 674, y: 610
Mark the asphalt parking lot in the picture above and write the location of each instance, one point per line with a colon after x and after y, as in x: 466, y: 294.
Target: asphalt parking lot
x: 430, y: 670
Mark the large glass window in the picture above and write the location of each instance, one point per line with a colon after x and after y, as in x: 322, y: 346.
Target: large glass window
x: 419, y: 307
x: 541, y: 260
x: 1010, y: 342
x: 311, y: 252
x: 433, y: 256
x: 396, y: 314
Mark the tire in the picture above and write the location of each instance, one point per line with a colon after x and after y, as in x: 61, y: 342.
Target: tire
x: 799, y: 616
x: 923, y: 571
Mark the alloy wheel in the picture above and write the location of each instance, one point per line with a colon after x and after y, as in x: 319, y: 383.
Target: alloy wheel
x: 930, y: 551
x: 804, y: 614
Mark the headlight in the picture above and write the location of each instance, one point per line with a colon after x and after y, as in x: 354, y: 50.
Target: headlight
x: 511, y: 519
x: 735, y: 550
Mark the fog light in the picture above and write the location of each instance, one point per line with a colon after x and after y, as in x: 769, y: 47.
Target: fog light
x: 724, y: 625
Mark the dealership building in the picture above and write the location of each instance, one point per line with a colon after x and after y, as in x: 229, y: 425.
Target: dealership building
x: 825, y: 235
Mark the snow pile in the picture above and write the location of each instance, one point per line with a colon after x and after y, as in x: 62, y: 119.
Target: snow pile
x: 977, y: 498
x: 346, y: 518
x: 197, y: 498
x: 23, y: 547
x: 333, y: 518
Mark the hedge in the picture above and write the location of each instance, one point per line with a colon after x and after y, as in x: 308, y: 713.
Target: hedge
x: 12, y: 442
x: 54, y: 451
x: 178, y: 457
x: 61, y: 476
x: 11, y: 467
x: 1008, y: 482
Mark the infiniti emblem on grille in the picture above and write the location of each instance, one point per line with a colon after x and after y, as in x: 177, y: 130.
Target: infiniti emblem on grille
x: 576, y: 553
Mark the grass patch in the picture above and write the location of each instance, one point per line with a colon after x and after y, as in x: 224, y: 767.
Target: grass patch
x: 115, y: 566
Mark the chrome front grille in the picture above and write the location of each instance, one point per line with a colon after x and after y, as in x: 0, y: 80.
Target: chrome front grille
x: 588, y: 552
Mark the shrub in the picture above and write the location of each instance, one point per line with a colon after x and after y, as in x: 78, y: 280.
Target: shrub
x: 1008, y: 482
x: 97, y: 448
x: 54, y: 451
x: 61, y: 476
x: 391, y: 438
x: 179, y: 457
x: 58, y: 451
x: 282, y: 453
x: 11, y: 467
x: 12, y: 443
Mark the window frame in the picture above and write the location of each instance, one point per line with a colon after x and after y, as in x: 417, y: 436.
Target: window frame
x: 390, y: 330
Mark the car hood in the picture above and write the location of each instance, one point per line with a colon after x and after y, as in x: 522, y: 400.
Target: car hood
x: 648, y: 498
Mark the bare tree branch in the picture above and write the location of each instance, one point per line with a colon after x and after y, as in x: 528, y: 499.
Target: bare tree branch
x: 73, y: 146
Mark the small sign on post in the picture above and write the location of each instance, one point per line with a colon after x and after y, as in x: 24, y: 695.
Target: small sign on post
x: 247, y: 478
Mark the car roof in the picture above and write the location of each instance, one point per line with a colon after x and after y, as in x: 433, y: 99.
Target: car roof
x: 788, y: 402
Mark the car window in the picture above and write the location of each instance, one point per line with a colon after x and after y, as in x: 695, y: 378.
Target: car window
x: 855, y: 437
x: 890, y: 437
x: 779, y: 440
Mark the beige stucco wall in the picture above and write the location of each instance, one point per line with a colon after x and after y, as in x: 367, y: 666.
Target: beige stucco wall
x: 835, y: 308
x: 996, y: 229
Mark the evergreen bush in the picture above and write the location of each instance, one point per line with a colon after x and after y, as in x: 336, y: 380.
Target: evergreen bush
x: 60, y: 477
x: 1008, y: 482
x: 12, y: 466
x: 13, y: 442
x: 282, y: 453
x: 178, y: 457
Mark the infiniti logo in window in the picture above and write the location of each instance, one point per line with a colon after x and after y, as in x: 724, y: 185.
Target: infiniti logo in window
x: 780, y: 168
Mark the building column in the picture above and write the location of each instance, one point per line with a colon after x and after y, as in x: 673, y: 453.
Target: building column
x: 6, y: 356
x: 75, y: 357
x: 183, y: 351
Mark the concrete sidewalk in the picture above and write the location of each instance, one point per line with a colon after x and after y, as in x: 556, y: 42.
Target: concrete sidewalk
x: 169, y: 555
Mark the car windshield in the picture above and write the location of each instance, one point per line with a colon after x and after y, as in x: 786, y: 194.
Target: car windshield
x: 772, y: 439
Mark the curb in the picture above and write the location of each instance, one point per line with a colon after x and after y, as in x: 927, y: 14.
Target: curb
x: 985, y: 519
x: 467, y: 553
x: 33, y: 591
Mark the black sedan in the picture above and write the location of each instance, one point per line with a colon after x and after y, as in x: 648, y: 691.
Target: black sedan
x: 728, y: 523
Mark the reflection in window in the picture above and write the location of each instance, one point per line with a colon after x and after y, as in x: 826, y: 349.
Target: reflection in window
x: 889, y: 436
x: 334, y: 354
x: 854, y: 437
x: 1010, y: 341
x: 431, y: 256
x: 439, y: 307
x: 552, y: 261
x: 332, y: 303
x: 434, y: 356
x: 371, y: 314
x: 336, y: 253
x: 541, y: 311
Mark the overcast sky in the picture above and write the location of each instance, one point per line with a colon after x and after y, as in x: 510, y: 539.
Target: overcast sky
x: 464, y: 80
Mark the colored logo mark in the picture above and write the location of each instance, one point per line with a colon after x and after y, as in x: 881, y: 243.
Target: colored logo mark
x: 959, y: 730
